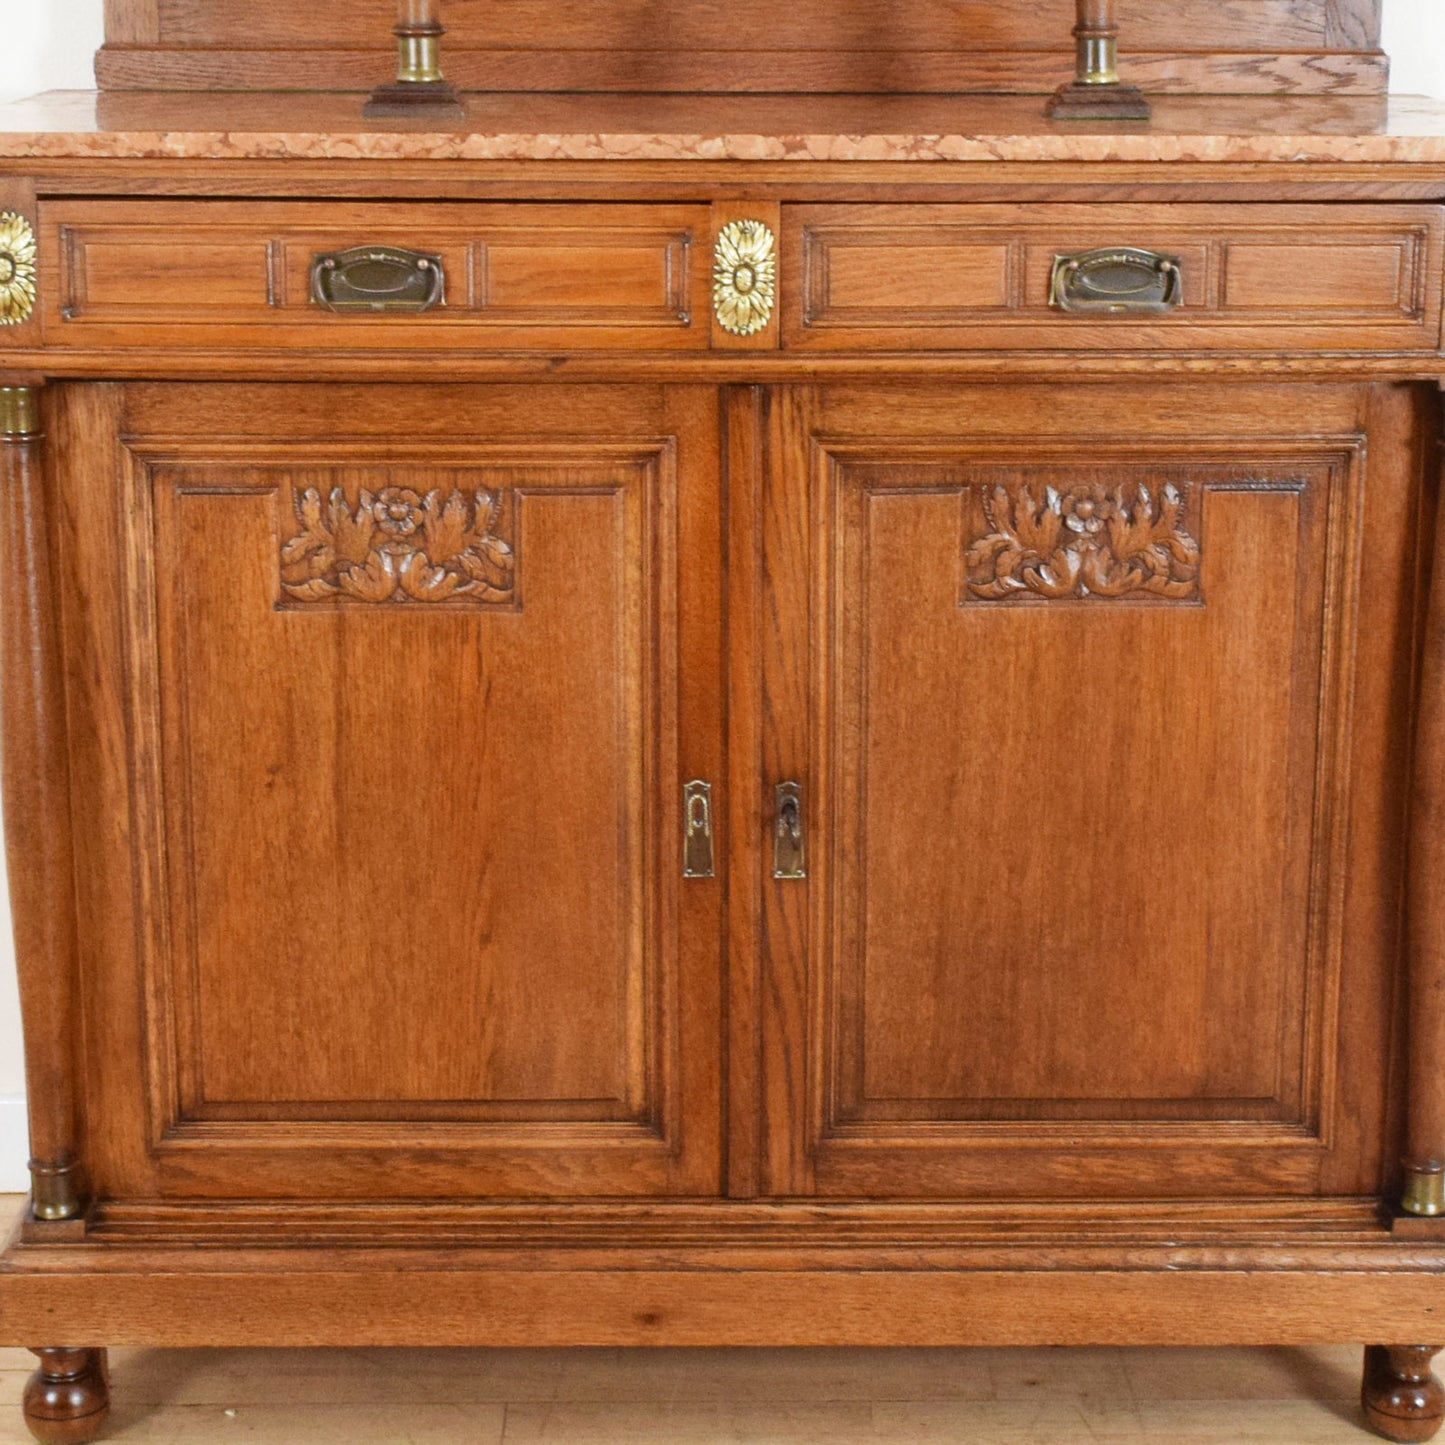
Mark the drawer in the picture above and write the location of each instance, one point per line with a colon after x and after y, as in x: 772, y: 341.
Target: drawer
x: 220, y: 273
x: 1249, y: 277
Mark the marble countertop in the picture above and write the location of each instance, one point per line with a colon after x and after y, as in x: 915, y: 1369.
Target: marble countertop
x: 772, y: 128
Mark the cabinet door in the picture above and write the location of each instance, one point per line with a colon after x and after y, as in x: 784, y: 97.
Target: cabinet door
x: 1102, y: 790
x: 383, y: 699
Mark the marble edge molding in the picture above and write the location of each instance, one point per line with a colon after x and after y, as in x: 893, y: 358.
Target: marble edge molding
x: 603, y: 146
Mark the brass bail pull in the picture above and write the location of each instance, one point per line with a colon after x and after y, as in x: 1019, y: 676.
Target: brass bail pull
x: 789, y: 840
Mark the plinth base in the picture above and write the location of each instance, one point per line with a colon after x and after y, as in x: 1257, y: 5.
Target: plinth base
x: 1077, y: 101
x: 416, y: 100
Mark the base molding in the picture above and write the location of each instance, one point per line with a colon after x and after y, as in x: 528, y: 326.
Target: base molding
x: 292, y: 1297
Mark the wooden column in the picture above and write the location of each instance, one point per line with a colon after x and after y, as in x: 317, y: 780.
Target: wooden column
x: 420, y: 89
x: 1424, y: 1192
x: 36, y: 783
x: 1096, y: 93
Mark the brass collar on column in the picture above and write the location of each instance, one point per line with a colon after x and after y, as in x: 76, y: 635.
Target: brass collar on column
x: 19, y: 411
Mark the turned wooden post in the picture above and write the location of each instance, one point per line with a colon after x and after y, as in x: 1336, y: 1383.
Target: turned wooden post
x: 1424, y: 1183
x: 36, y: 781
x: 1096, y: 93
x: 420, y: 90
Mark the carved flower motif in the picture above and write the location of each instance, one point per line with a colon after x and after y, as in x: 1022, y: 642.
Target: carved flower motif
x: 397, y: 511
x: 745, y: 277
x: 1092, y: 542
x: 395, y: 546
x: 17, y: 269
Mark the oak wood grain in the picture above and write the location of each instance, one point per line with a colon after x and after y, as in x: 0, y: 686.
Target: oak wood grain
x: 37, y: 813
x: 756, y: 45
x: 1425, y: 1019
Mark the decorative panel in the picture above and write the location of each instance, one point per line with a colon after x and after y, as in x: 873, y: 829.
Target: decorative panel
x: 404, y: 718
x: 1079, y: 893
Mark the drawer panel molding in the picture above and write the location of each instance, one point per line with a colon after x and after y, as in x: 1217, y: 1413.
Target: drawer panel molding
x: 517, y: 277
x: 1249, y: 277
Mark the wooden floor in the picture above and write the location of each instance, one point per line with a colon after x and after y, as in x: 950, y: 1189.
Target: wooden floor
x: 707, y: 1397
x: 721, y: 1397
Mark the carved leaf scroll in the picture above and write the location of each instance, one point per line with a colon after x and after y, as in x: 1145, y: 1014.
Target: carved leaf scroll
x: 399, y: 547
x: 1087, y: 542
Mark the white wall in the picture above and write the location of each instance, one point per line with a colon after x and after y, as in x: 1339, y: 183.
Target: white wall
x: 49, y: 47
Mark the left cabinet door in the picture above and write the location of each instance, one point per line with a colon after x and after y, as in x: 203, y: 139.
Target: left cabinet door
x: 382, y: 701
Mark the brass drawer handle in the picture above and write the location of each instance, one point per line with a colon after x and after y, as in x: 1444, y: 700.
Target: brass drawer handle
x: 1119, y: 280
x: 378, y: 278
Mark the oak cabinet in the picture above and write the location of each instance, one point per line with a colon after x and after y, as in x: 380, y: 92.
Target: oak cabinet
x: 716, y: 754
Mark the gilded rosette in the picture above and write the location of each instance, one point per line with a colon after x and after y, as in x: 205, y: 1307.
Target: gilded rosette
x: 17, y: 269
x: 745, y: 277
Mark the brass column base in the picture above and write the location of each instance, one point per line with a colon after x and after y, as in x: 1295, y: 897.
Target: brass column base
x: 1078, y: 101
x: 416, y: 100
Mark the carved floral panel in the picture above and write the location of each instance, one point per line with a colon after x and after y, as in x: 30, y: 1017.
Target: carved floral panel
x: 397, y: 545
x: 1082, y: 541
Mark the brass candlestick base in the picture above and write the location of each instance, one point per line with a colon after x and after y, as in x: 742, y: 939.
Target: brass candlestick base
x: 1096, y: 93
x: 419, y: 91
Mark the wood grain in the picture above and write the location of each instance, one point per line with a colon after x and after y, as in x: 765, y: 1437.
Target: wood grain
x: 1302, y: 46
x: 377, y: 657
x: 278, y: 994
x: 955, y: 277
x: 747, y: 72
x: 518, y: 276
x: 37, y: 813
x: 1425, y: 1141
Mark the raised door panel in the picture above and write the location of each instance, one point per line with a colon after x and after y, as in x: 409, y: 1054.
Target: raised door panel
x: 1079, y: 764
x: 406, y: 724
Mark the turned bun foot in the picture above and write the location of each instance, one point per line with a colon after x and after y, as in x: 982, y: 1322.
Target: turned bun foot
x: 1402, y: 1398
x: 67, y: 1400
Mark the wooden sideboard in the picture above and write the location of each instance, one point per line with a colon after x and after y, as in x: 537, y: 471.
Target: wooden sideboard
x: 725, y: 719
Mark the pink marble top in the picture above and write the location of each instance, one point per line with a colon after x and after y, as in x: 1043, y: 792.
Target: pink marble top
x: 84, y: 124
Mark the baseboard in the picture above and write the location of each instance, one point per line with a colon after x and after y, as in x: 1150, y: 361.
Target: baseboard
x: 14, y: 1145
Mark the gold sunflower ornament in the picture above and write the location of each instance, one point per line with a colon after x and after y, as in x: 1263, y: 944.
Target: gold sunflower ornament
x: 745, y: 277
x: 17, y: 269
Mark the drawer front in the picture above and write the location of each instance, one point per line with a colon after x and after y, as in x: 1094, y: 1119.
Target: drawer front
x: 1249, y: 277
x: 208, y: 273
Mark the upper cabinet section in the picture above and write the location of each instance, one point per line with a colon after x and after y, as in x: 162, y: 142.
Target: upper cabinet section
x: 751, y: 46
